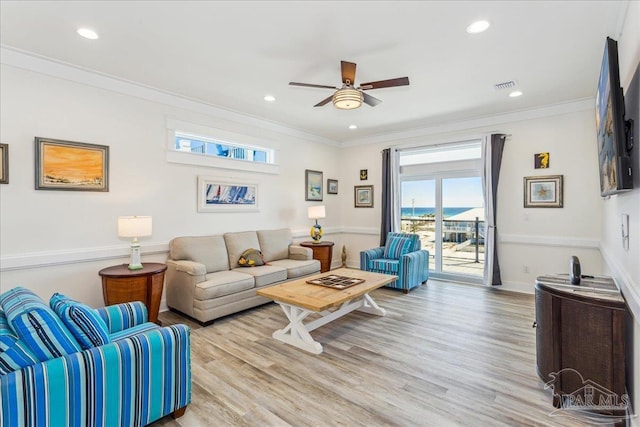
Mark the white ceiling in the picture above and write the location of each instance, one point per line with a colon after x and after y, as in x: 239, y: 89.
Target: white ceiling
x: 232, y: 53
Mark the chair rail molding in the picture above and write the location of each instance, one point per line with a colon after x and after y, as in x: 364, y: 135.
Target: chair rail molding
x: 73, y: 256
x: 624, y: 281
x: 566, y: 242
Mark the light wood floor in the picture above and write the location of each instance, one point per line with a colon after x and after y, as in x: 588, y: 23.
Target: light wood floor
x: 444, y: 355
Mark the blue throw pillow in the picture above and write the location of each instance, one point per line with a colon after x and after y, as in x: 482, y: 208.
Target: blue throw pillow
x: 83, y: 321
x: 396, y: 247
x: 37, y: 325
x: 14, y: 354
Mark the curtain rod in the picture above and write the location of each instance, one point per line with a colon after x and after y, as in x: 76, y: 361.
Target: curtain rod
x: 442, y: 144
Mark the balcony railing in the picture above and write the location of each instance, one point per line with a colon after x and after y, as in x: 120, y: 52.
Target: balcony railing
x: 464, y: 252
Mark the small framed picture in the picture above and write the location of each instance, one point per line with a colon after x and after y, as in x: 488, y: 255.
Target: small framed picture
x: 543, y: 191
x: 4, y: 164
x: 363, y: 196
x: 364, y: 174
x: 66, y: 165
x: 541, y: 160
x: 332, y: 186
x: 313, y: 185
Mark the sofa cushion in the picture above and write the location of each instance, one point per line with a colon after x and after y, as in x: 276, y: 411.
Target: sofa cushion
x: 396, y: 247
x: 14, y: 354
x: 208, y: 250
x: 274, y: 244
x: 223, y: 283
x: 297, y: 268
x: 37, y: 325
x: 265, y: 274
x: 384, y: 265
x: 238, y: 243
x: 84, y: 322
x: 251, y: 258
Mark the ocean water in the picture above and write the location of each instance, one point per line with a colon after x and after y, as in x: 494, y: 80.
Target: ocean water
x: 446, y: 212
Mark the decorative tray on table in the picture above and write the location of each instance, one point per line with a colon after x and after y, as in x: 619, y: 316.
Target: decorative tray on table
x: 334, y: 281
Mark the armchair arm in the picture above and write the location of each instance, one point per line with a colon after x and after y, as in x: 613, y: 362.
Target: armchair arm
x: 182, y: 276
x: 300, y: 253
x: 123, y: 316
x: 368, y: 255
x: 414, y: 268
x: 104, y: 386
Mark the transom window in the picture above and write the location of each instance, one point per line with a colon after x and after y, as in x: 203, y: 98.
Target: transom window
x: 211, y: 147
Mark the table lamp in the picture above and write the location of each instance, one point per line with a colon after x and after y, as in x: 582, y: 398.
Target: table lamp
x: 134, y: 226
x: 315, y: 212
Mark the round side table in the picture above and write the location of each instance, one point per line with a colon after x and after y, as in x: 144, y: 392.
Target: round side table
x: 119, y: 284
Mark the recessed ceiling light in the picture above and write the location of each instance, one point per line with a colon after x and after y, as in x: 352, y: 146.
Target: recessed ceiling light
x: 269, y: 98
x: 515, y: 94
x: 87, y: 33
x: 478, y: 27
x: 353, y: 126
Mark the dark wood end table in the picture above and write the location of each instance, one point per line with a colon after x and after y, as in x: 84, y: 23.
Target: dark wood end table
x: 323, y: 252
x: 119, y: 284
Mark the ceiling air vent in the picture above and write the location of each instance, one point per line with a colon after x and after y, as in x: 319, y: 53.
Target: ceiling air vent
x: 505, y: 85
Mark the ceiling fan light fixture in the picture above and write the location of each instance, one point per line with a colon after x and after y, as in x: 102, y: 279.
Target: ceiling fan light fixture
x: 347, y: 98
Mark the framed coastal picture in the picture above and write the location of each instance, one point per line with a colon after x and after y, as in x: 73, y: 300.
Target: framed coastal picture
x: 67, y: 165
x: 313, y: 185
x: 363, y: 196
x: 332, y: 186
x: 4, y: 163
x: 226, y: 195
x: 543, y: 191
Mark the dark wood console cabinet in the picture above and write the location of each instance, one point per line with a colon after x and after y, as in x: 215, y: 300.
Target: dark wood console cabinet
x: 581, y: 328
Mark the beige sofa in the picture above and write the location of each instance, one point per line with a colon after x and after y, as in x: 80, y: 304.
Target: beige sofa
x: 204, y: 280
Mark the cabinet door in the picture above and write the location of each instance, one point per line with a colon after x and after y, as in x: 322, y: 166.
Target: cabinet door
x: 586, y: 335
x: 545, y: 353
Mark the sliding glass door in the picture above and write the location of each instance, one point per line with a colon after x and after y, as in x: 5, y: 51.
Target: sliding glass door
x: 441, y: 201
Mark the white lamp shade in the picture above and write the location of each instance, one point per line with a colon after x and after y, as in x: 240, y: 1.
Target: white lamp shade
x: 134, y: 226
x: 315, y: 212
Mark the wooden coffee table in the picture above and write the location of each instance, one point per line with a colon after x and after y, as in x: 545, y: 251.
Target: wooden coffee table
x: 299, y: 299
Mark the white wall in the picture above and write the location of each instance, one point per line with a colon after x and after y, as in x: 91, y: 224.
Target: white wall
x: 541, y: 239
x: 624, y: 265
x: 40, y: 229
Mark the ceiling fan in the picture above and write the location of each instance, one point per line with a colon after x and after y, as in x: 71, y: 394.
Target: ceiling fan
x: 348, y: 96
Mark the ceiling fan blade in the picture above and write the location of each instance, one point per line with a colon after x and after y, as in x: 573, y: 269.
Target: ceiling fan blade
x: 400, y: 81
x: 311, y: 85
x: 370, y: 100
x: 348, y: 72
x: 324, y: 101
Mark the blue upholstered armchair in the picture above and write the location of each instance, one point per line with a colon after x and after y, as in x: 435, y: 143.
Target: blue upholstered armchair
x: 66, y: 364
x: 402, y: 257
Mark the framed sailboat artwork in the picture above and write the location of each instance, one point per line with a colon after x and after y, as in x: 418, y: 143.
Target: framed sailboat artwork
x: 226, y: 195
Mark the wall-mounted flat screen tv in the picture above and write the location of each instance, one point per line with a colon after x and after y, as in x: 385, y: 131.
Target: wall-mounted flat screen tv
x: 613, y: 132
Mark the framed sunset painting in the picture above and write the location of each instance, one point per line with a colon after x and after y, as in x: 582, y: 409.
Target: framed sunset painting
x: 66, y: 165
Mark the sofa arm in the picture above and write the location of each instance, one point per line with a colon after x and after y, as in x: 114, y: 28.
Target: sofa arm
x: 123, y: 316
x: 181, y: 279
x: 300, y: 253
x: 190, y: 267
x: 132, y: 382
x: 368, y: 255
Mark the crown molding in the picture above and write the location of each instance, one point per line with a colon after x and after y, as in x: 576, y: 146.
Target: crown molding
x: 395, y: 138
x: 40, y: 64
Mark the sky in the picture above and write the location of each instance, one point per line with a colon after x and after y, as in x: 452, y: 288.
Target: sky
x: 456, y: 192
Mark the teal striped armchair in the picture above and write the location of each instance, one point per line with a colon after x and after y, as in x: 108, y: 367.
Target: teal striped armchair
x: 52, y: 373
x: 402, y: 256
